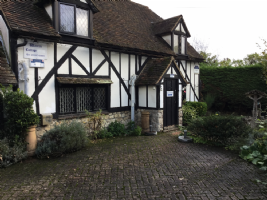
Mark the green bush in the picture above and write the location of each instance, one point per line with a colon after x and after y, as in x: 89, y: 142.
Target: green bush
x: 209, y: 99
x: 103, y: 133
x: 132, y: 129
x: 257, y: 152
x: 11, y: 155
x: 219, y: 130
x: 229, y: 85
x: 1, y: 112
x: 64, y: 138
x: 116, y: 129
x: 200, y: 107
x: 137, y: 131
x: 18, y: 113
x: 189, y: 113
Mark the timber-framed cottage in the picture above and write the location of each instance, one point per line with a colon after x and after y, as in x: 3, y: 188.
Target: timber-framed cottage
x: 77, y: 55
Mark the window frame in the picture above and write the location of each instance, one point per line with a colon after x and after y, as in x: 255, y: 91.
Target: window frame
x: 179, y: 43
x: 75, y: 86
x: 75, y: 20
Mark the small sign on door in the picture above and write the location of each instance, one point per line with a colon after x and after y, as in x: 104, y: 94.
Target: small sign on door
x: 169, y: 93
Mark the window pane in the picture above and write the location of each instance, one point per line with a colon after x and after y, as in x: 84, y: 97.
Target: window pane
x: 66, y: 18
x: 175, y: 43
x: 83, y: 99
x: 99, y: 98
x: 183, y: 45
x: 82, y: 22
x: 66, y: 100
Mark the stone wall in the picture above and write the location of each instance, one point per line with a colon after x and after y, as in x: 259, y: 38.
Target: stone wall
x: 155, y: 118
x: 124, y: 117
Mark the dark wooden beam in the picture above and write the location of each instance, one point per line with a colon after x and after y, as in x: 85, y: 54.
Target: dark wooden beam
x: 116, y: 72
x: 52, y: 72
x: 99, y: 66
x: 80, y: 64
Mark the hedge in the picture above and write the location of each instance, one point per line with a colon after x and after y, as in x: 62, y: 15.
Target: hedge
x: 229, y: 85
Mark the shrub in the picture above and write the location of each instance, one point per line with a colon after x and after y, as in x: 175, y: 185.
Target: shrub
x: 189, y: 113
x: 18, y: 113
x: 132, y: 129
x: 209, y: 99
x: 64, y: 138
x: 1, y: 113
x: 256, y: 153
x: 116, y: 129
x: 94, y: 123
x: 137, y: 131
x: 219, y: 130
x: 201, y: 107
x: 103, y: 133
x: 11, y: 155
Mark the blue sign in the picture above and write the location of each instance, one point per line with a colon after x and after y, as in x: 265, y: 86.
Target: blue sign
x: 36, y: 63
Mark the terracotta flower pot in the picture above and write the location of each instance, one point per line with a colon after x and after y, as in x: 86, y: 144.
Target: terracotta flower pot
x: 31, y: 139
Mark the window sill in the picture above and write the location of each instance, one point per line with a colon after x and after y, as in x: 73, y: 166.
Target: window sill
x: 79, y: 115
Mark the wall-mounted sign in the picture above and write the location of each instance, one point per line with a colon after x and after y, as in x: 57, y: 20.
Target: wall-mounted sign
x: 35, y: 51
x: 169, y: 93
x: 171, y: 75
x: 196, y: 69
x: 36, y: 63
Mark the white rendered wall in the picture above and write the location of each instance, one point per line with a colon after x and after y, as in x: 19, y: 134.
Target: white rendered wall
x: 180, y: 95
x: 97, y: 58
x: 124, y: 76
x: 82, y: 54
x: 61, y: 50
x: 142, y: 96
x: 47, y: 95
x: 5, y: 34
x: 103, y: 71
x: 115, y: 87
x: 167, y: 38
x: 152, y: 97
x: 192, y: 78
x: 132, y: 64
x: 161, y: 94
x: 143, y: 60
x: 48, y: 8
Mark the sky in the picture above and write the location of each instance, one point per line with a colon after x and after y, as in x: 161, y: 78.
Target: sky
x: 230, y: 28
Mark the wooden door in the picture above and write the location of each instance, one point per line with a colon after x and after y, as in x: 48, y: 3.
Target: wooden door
x: 170, y: 102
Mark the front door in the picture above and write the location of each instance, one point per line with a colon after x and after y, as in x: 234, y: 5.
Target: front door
x: 170, y: 115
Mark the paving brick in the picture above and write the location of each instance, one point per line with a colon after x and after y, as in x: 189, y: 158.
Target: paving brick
x: 148, y: 168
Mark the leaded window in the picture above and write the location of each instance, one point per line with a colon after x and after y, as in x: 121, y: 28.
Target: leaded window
x: 77, y: 99
x: 179, y: 44
x: 73, y: 20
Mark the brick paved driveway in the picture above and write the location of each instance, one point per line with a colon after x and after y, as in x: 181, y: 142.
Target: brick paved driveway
x: 135, y: 168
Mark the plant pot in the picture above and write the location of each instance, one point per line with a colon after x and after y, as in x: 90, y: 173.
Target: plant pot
x: 31, y: 139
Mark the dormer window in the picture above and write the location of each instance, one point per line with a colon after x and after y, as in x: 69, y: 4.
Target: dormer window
x: 179, y: 39
x: 73, y: 20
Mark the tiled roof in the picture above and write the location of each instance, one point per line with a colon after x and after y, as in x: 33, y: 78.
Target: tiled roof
x: 167, y: 25
x: 25, y: 17
x: 7, y: 77
x: 70, y: 80
x: 154, y: 70
x: 192, y: 53
x: 128, y: 24
x: 121, y: 23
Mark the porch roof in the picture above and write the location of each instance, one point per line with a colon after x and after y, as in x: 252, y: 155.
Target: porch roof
x: 155, y: 69
x: 72, y: 80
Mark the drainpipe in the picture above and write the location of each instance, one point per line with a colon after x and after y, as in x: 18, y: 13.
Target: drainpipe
x: 23, y: 67
x: 132, y: 82
x: 26, y: 79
